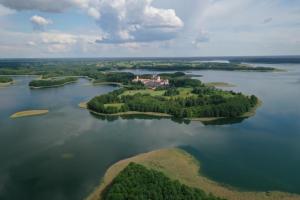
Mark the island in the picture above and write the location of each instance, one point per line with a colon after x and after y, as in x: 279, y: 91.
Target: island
x: 180, y: 176
x: 5, y: 81
x: 29, y: 113
x: 172, y: 95
x: 51, y: 82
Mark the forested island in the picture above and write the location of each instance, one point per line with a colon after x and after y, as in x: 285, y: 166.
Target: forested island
x: 52, y: 82
x: 5, y: 81
x: 184, y: 98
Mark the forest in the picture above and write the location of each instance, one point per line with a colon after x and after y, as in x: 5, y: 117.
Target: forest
x: 136, y: 182
x: 5, y: 79
x: 185, y: 98
x: 51, y: 82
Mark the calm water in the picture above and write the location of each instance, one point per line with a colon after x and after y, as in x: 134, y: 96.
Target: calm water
x: 63, y: 155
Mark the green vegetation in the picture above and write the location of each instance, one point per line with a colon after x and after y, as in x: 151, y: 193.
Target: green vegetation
x: 117, y: 77
x: 219, y: 84
x: 179, y: 165
x: 4, y: 79
x: 53, y: 82
x: 138, y: 182
x: 96, y: 69
x: 185, y: 98
x: 171, y: 92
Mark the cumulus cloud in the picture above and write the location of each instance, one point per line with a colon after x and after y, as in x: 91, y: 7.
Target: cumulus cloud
x: 39, y: 22
x: 133, y: 20
x: 121, y: 20
x: 41, y: 5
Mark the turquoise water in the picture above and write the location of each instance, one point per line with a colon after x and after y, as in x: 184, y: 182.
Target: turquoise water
x: 64, y: 154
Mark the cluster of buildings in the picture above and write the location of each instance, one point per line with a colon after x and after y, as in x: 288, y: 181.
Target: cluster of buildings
x: 153, y: 82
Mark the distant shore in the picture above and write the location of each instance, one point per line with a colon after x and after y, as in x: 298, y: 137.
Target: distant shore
x: 28, y: 113
x: 177, y: 164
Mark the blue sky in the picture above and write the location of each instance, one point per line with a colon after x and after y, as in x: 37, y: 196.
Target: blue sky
x: 124, y: 28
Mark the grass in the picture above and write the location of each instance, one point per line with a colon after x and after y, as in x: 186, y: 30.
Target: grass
x: 146, y: 91
x: 184, y: 92
x: 219, y: 84
x: 28, y: 113
x: 179, y: 165
x: 117, y: 105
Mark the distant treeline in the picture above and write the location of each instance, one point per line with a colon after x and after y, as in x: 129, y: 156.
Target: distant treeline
x: 51, y: 82
x: 95, y: 68
x: 206, y: 101
x: 136, y: 182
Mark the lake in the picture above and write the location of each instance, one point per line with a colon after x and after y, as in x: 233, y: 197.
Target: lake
x: 64, y: 154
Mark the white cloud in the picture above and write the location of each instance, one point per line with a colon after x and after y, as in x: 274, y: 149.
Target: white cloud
x: 40, y: 22
x: 121, y: 20
x: 133, y: 20
x: 41, y: 5
x: 58, y: 38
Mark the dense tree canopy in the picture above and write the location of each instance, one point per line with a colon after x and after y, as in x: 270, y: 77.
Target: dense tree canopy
x: 4, y: 79
x: 202, y: 101
x: 51, y: 82
x: 136, y: 182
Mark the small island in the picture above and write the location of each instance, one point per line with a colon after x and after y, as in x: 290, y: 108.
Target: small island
x: 172, y: 95
x: 28, y: 113
x: 5, y: 81
x: 51, y: 82
x: 174, y: 167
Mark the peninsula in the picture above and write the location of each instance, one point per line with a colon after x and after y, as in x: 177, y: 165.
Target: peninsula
x: 175, y: 164
x: 5, y: 81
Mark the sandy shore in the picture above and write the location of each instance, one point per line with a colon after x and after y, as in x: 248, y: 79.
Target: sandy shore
x: 179, y: 165
x: 28, y: 113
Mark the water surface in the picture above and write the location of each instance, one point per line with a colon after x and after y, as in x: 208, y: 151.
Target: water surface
x: 62, y: 155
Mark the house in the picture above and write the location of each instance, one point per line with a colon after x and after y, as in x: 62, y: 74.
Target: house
x: 153, y: 83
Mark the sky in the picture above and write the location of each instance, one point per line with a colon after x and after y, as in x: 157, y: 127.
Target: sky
x: 148, y: 28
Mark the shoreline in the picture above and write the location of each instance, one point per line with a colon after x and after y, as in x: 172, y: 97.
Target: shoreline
x: 179, y: 165
x: 248, y: 114
x: 28, y: 113
x: 83, y: 105
x: 4, y: 85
